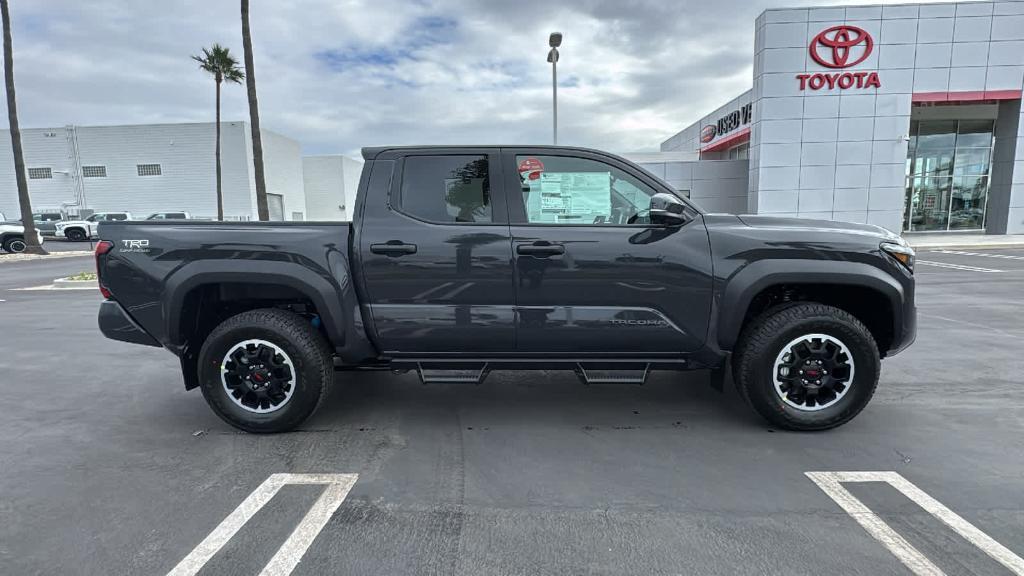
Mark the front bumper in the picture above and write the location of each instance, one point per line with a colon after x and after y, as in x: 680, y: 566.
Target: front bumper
x: 908, y: 334
x: 116, y: 324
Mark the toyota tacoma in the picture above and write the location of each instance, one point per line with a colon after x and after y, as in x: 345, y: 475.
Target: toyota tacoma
x: 463, y: 260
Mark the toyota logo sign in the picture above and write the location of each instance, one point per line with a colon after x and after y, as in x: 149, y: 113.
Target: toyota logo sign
x: 707, y: 133
x: 841, y: 46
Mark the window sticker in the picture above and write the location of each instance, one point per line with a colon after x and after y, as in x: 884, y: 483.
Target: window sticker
x: 570, y: 197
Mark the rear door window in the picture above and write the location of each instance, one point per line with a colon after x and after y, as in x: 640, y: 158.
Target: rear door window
x: 452, y: 189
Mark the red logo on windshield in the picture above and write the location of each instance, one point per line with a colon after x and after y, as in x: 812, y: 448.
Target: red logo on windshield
x: 841, y: 46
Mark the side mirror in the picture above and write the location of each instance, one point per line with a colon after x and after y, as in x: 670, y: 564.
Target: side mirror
x: 667, y: 210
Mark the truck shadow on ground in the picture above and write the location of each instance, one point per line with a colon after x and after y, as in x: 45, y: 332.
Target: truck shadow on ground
x: 667, y: 399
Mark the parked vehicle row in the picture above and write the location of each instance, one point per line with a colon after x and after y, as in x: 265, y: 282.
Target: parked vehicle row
x: 85, y: 229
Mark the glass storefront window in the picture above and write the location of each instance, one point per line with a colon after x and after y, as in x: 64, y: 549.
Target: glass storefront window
x: 939, y: 135
x: 967, y: 204
x: 933, y: 163
x: 974, y: 134
x: 948, y: 166
x: 971, y: 162
x: 929, y: 203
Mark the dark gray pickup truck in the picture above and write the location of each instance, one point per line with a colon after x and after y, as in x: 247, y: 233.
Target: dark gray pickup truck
x: 462, y: 260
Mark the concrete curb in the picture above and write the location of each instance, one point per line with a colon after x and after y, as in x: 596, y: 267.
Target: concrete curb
x: 10, y: 258
x: 68, y: 283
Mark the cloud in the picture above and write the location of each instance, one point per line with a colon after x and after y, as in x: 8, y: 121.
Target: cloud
x: 339, y: 75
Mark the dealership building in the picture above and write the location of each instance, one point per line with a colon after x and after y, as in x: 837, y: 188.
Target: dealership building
x: 147, y: 168
x: 904, y: 116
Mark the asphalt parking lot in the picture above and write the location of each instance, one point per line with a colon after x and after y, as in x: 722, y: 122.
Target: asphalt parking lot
x: 107, y: 465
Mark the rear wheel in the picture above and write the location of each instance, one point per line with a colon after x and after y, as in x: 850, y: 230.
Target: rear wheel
x: 75, y: 234
x: 265, y: 370
x: 807, y: 366
x: 15, y: 245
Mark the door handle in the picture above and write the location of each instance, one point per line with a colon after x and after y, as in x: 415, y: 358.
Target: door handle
x: 538, y: 250
x: 393, y: 248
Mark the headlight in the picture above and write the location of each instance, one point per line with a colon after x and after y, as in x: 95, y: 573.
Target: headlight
x: 902, y: 252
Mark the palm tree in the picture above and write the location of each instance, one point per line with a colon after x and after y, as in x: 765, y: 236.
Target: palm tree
x: 254, y: 118
x: 31, y: 238
x: 217, y: 60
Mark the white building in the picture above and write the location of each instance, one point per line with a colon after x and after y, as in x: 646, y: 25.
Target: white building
x: 330, y: 183
x: 905, y: 116
x: 153, y: 168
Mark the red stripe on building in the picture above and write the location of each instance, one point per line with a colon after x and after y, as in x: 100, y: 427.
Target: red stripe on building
x: 972, y: 96
x: 725, y: 143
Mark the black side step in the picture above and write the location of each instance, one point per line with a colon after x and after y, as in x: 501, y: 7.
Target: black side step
x: 440, y: 374
x: 603, y: 375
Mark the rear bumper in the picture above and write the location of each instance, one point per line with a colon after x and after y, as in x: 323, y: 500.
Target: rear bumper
x: 116, y: 324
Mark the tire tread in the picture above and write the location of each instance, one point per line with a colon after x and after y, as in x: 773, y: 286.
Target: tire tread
x: 756, y: 340
x: 300, y: 334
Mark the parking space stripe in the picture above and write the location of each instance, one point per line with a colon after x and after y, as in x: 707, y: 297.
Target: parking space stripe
x: 831, y: 484
x: 875, y: 526
x: 288, y: 556
x: 982, y: 254
x: 957, y: 266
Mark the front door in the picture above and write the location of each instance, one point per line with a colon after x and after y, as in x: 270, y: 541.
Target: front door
x: 436, y: 254
x: 593, y: 274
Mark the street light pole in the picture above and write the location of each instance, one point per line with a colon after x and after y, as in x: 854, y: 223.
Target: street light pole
x: 554, y: 41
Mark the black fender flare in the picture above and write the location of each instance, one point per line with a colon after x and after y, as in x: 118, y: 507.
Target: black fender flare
x: 741, y: 288
x: 320, y: 290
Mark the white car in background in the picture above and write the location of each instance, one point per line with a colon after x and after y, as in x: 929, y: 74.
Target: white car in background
x: 178, y: 215
x: 12, y: 237
x: 79, y: 230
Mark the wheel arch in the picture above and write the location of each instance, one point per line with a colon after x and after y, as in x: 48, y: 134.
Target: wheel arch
x: 267, y: 280
x: 866, y: 292
x: 83, y: 229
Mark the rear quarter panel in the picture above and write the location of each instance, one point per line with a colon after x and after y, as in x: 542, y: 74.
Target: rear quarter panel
x: 154, y: 264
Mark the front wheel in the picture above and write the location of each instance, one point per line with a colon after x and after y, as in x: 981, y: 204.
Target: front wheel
x: 75, y: 235
x: 807, y: 366
x: 265, y: 370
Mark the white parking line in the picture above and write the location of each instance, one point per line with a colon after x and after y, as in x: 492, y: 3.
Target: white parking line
x: 831, y: 484
x: 289, y: 554
x: 957, y: 266
x: 53, y: 287
x: 982, y: 254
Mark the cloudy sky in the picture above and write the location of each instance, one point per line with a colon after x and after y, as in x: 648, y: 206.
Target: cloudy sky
x: 340, y: 74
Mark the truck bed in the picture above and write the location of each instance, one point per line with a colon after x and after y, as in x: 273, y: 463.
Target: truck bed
x: 157, y: 271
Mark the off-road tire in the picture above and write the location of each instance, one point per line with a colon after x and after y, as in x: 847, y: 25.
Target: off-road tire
x: 76, y: 235
x: 307, y: 349
x: 14, y: 245
x: 763, y: 339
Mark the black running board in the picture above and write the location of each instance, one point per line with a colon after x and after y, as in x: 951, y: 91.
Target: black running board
x: 451, y: 375
x: 475, y: 372
x: 598, y: 375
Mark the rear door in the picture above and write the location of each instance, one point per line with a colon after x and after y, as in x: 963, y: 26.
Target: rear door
x: 592, y: 274
x: 436, y: 255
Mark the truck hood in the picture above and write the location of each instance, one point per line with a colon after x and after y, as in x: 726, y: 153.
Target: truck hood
x: 65, y: 223
x: 868, y: 231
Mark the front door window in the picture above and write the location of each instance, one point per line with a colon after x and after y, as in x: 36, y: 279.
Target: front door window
x: 948, y: 169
